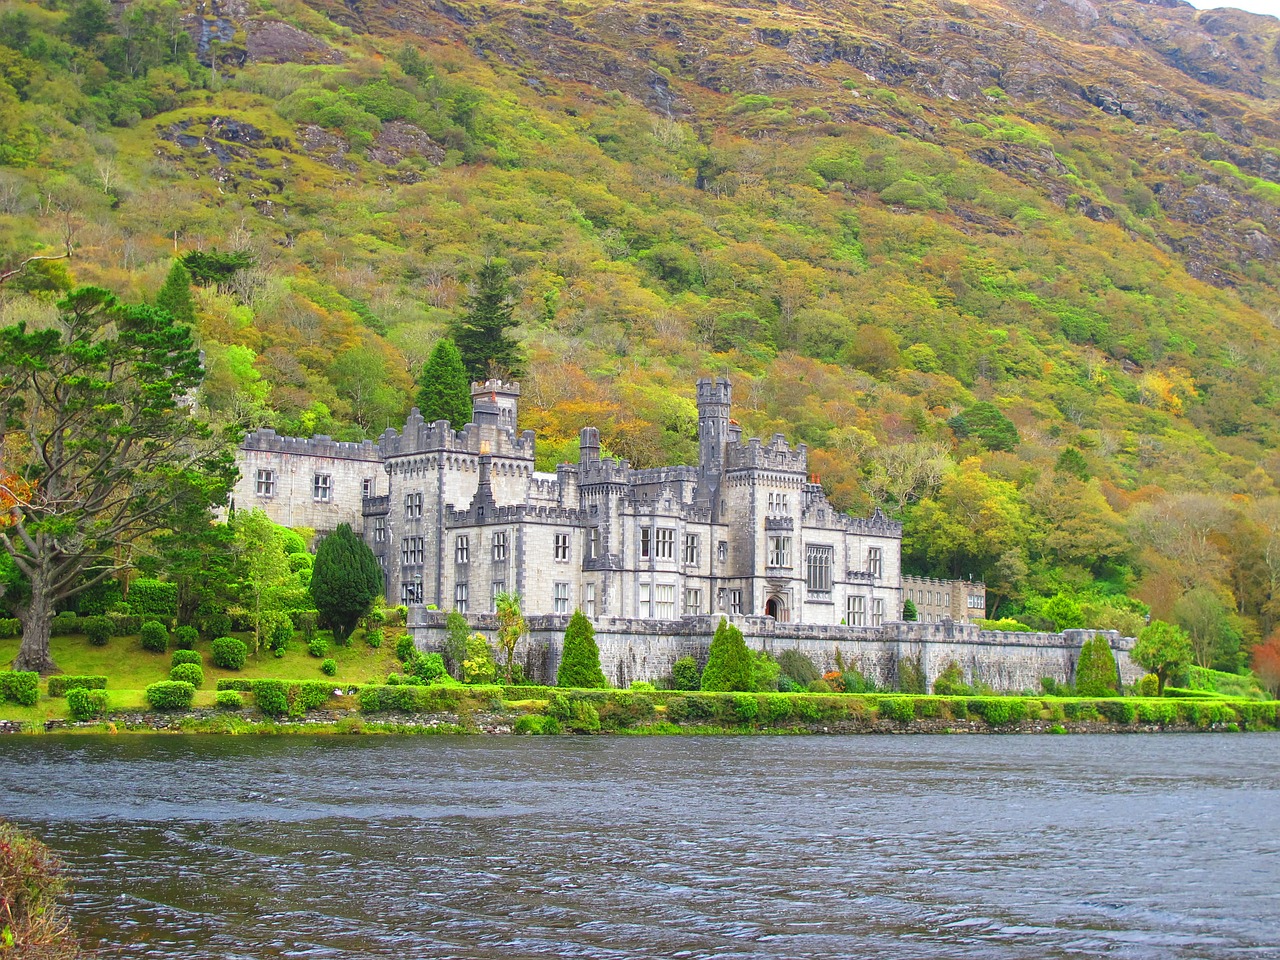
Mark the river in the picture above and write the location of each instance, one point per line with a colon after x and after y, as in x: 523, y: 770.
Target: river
x: 611, y: 847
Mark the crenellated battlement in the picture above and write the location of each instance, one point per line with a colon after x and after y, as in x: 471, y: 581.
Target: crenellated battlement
x: 419, y: 436
x: 754, y: 454
x: 266, y: 440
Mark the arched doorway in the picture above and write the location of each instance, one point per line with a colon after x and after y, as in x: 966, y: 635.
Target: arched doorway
x: 774, y: 607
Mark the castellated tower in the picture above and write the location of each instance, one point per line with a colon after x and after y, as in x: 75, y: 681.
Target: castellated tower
x: 495, y: 403
x: 715, y: 396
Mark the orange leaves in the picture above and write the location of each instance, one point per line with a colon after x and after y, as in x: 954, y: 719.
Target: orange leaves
x: 13, y: 492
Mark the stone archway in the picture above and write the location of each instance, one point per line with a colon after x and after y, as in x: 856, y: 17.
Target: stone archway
x: 775, y: 607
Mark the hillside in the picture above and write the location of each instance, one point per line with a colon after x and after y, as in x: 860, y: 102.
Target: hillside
x: 903, y: 228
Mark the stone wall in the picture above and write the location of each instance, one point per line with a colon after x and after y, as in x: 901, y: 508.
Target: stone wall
x: 645, y: 649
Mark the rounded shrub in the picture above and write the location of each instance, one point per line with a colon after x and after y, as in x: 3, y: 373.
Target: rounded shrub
x: 318, y: 647
x: 98, y: 630
x: 404, y: 648
x: 154, y: 636
x: 272, y: 697
x: 20, y: 686
x: 189, y: 672
x: 328, y: 666
x: 1149, y: 686
x: 228, y: 700
x: 186, y: 656
x: 685, y: 674
x: 374, y: 637
x: 185, y: 637
x: 229, y: 653
x: 85, y: 704
x: 170, y: 695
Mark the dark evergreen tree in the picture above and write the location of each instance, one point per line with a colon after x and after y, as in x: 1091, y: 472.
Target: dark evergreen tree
x: 345, y: 580
x: 1072, y: 462
x: 212, y: 267
x: 1096, y: 671
x: 909, y: 612
x: 580, y: 659
x: 729, y: 662
x: 175, y: 295
x: 985, y: 423
x: 444, y: 389
x: 481, y: 334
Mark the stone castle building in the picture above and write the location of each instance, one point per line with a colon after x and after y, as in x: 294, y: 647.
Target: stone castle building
x: 654, y: 557
x: 456, y: 517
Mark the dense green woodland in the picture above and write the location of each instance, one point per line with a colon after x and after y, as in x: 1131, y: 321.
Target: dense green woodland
x: 1031, y: 327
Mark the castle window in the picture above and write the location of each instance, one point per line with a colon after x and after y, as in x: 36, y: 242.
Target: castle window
x: 875, y: 562
x: 644, y: 601
x: 413, y: 550
x: 589, y: 600
x: 460, y: 594
x: 562, y: 547
x: 593, y: 543
x: 877, y: 612
x: 722, y: 551
x: 264, y: 484
x: 946, y: 600
x: 412, y: 505
x: 818, y: 563
x: 646, y: 543
x: 560, y: 602
x: 380, y: 530
x: 666, y: 601
x: 500, y: 547
x: 411, y: 592
x: 322, y: 487
x: 692, y: 602
x: 462, y: 549
x: 690, y: 555
x: 666, y: 544
x: 779, y: 551
x: 856, y: 611
x: 367, y: 487
x: 735, y: 601
x: 499, y: 586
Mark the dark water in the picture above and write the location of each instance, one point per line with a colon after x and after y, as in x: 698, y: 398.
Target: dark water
x: 895, y: 847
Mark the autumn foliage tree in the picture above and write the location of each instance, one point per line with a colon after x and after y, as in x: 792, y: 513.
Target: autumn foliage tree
x: 95, y: 416
x: 1266, y: 663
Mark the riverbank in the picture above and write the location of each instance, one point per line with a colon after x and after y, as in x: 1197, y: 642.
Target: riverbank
x: 278, y: 706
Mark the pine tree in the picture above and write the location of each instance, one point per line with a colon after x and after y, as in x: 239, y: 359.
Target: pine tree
x: 444, y: 389
x: 580, y: 659
x: 481, y: 333
x: 909, y: 612
x: 729, y: 662
x: 175, y: 295
x: 1096, y: 671
x: 345, y: 580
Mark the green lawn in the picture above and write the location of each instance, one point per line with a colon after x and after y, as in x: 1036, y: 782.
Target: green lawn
x: 129, y: 669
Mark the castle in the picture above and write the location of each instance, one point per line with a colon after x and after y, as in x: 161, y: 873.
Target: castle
x: 654, y: 557
x: 457, y: 517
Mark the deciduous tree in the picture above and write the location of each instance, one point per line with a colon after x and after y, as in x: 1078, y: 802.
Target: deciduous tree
x: 1161, y: 649
x: 511, y: 627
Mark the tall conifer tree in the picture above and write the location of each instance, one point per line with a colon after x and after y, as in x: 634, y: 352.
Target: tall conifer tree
x: 1096, y: 671
x: 444, y: 389
x: 580, y: 659
x: 345, y: 580
x: 729, y: 662
x: 482, y: 332
x: 175, y: 295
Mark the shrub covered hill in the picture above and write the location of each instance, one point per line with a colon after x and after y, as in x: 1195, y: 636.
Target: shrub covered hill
x: 1009, y: 268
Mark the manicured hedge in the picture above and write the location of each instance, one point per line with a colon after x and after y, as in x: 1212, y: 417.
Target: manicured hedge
x: 60, y: 685
x: 186, y: 656
x: 170, y: 695
x: 234, y: 683
x: 277, y: 698
x: 20, y: 686
x: 154, y: 636
x: 84, y: 704
x: 228, y: 700
x: 192, y: 673
x: 376, y: 698
x: 185, y: 637
x: 65, y: 624
x: 229, y: 653
x: 98, y: 630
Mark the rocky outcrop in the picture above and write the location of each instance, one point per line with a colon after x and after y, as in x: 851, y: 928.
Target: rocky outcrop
x: 271, y: 41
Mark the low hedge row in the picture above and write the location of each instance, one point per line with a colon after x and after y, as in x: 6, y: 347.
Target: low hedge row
x: 279, y: 698
x: 86, y: 704
x: 122, y: 625
x: 170, y: 695
x: 59, y: 686
x: 405, y: 698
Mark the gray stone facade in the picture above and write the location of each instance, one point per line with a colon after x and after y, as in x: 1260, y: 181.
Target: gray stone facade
x: 632, y: 649
x: 939, y: 600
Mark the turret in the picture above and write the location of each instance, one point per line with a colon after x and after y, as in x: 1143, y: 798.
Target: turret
x: 589, y: 445
x: 715, y: 397
x: 495, y: 403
